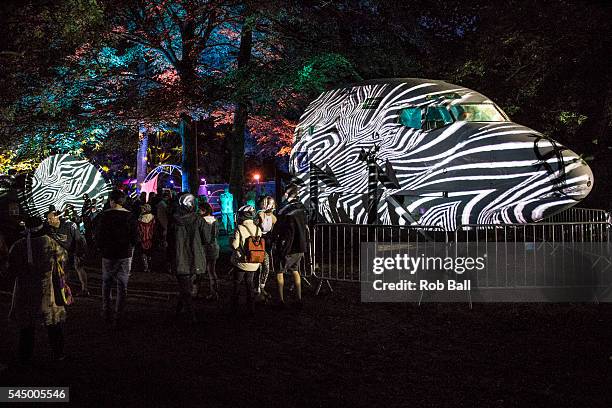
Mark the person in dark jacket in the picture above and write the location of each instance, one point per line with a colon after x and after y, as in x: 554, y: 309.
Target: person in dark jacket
x: 137, y: 205
x: 116, y: 238
x: 88, y: 215
x: 265, y: 220
x: 290, y: 241
x: 67, y: 234
x: 211, y: 250
x: 86, y: 205
x: 187, y: 235
x: 163, y: 214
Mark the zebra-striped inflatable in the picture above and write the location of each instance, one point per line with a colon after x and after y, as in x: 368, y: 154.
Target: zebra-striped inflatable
x: 60, y: 180
x: 426, y: 152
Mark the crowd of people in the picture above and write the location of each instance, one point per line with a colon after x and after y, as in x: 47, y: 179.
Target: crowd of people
x: 173, y: 234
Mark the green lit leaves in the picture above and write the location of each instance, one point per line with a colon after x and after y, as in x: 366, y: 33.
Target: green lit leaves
x: 571, y: 118
x: 77, y: 19
x: 322, y: 70
x: 570, y: 122
x: 470, y: 69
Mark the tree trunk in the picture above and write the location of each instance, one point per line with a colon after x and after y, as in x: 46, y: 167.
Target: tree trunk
x: 141, y: 156
x: 143, y: 137
x: 237, y: 152
x: 241, y: 116
x: 189, y: 166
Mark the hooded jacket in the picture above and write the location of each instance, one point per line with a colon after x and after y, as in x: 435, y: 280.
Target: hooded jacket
x: 187, y: 235
x: 290, y: 232
x: 33, y: 296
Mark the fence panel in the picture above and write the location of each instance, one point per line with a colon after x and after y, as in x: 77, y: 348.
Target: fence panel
x: 518, y: 256
x: 545, y: 255
x: 336, y: 248
x: 574, y: 214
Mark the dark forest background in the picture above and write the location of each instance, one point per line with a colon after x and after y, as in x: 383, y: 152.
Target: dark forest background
x: 97, y: 76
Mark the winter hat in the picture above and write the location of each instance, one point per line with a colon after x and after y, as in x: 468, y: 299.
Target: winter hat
x: 187, y: 202
x: 247, y: 212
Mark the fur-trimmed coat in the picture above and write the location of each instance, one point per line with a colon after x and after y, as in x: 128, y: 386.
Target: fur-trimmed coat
x: 33, y: 298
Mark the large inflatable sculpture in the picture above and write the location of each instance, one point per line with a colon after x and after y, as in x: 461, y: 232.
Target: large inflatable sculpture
x: 60, y: 180
x: 426, y: 152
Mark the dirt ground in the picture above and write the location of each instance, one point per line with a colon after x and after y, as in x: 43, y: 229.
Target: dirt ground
x: 337, y: 351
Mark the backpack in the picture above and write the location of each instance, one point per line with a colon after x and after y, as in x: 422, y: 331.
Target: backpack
x: 146, y: 231
x: 254, y: 248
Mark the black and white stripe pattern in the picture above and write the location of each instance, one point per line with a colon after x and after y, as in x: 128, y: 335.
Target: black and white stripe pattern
x: 60, y: 180
x: 458, y: 174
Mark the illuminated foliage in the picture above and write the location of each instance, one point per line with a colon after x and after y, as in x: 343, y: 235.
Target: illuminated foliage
x: 323, y: 70
x: 83, y: 75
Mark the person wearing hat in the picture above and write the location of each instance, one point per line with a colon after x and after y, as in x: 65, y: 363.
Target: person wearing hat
x: 244, y: 270
x: 32, y: 260
x: 187, y: 235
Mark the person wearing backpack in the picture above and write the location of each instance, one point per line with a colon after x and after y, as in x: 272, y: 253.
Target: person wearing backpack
x: 146, y: 227
x: 266, y: 220
x: 248, y: 254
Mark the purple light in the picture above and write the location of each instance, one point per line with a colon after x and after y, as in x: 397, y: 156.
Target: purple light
x: 171, y: 181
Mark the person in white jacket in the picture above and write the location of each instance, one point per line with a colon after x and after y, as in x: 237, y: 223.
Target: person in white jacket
x: 244, y: 270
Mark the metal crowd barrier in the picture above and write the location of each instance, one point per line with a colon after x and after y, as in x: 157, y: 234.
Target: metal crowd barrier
x: 518, y: 256
x: 336, y: 248
x: 539, y: 256
x: 554, y: 232
x: 574, y: 214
